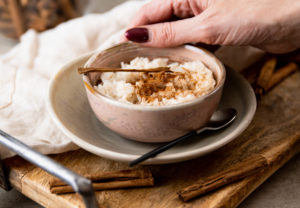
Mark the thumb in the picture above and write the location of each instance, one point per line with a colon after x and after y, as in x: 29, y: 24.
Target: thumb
x: 171, y: 34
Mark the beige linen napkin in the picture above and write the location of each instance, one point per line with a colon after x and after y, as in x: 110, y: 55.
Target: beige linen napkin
x: 25, y: 72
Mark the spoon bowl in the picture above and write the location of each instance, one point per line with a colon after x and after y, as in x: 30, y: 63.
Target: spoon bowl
x: 220, y: 119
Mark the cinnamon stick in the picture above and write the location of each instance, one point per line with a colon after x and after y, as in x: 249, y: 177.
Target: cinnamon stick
x: 237, y: 172
x: 83, y: 70
x: 109, y: 180
x: 266, y: 73
x: 106, y: 185
x: 281, y: 74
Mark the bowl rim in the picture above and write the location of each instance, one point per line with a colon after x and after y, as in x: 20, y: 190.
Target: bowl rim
x: 90, y: 89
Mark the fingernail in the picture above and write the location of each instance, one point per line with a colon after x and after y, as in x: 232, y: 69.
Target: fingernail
x: 139, y: 35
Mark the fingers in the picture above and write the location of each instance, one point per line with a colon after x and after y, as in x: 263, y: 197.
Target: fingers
x: 161, y: 10
x: 147, y: 27
x: 172, y: 33
x: 153, y: 12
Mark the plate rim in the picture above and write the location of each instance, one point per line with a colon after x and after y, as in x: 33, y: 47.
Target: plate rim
x: 124, y: 157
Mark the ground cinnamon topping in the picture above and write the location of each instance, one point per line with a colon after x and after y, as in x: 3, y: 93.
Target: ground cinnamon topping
x: 164, y: 85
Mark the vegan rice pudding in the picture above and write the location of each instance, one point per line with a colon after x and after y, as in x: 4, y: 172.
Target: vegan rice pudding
x: 186, y: 82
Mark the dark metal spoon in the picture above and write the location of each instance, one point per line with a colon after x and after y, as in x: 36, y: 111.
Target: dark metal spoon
x: 219, y: 120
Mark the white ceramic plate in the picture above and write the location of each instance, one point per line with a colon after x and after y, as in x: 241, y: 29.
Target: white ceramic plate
x: 69, y: 108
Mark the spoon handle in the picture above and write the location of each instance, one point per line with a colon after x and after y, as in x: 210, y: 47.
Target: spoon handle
x: 161, y: 149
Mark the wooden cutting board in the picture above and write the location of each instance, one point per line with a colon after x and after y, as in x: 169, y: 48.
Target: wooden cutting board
x: 274, y: 134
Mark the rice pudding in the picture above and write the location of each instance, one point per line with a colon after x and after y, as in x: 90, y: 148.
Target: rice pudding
x: 186, y: 82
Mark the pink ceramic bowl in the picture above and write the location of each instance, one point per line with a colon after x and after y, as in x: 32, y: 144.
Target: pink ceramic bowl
x: 153, y: 123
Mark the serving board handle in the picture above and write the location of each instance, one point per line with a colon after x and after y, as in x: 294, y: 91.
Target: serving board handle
x: 80, y: 184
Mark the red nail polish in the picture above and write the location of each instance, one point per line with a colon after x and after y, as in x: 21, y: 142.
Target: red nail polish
x: 139, y: 35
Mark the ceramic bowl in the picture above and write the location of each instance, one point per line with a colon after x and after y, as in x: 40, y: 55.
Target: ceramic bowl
x: 153, y: 123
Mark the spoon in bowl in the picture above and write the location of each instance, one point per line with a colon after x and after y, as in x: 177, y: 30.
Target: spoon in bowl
x: 219, y: 120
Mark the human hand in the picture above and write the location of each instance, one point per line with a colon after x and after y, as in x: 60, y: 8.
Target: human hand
x: 272, y: 25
